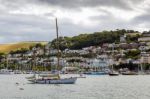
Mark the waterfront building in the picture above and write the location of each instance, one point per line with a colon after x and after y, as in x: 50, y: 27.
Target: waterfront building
x: 145, y: 57
x: 123, y: 38
x: 100, y: 63
x: 145, y: 37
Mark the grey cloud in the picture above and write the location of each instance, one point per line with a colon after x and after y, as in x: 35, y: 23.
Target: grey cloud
x: 21, y: 27
x: 71, y: 4
x: 142, y: 18
x: 7, y: 5
x: 123, y: 4
x: 15, y: 27
x: 143, y: 21
x: 109, y: 22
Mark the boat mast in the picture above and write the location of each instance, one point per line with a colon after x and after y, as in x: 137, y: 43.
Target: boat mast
x: 6, y: 61
x: 58, y: 57
x: 112, y: 56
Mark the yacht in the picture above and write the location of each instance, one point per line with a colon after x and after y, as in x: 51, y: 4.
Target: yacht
x: 53, y: 78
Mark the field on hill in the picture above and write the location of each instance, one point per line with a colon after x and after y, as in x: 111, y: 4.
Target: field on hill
x: 5, y: 48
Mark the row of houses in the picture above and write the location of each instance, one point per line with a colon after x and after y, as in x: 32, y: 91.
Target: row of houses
x: 105, y: 49
x: 105, y: 55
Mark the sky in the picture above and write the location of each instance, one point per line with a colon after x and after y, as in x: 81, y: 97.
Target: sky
x: 34, y: 20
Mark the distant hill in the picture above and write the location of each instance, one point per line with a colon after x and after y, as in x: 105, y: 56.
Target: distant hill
x: 95, y: 39
x: 5, y: 48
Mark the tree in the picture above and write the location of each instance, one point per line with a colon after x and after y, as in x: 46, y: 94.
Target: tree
x: 134, y: 54
x: 2, y: 55
x: 93, y: 39
x: 39, y: 45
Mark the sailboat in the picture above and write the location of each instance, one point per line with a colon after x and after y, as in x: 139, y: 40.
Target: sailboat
x: 53, y: 78
x: 141, y: 72
x: 112, y: 72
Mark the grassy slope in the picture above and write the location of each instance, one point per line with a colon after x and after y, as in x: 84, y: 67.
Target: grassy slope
x: 9, y: 47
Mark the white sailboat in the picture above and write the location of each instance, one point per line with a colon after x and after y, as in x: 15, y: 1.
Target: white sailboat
x: 53, y: 78
x: 112, y: 72
x: 140, y: 72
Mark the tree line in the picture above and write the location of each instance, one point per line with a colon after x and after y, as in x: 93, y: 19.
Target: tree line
x: 93, y: 39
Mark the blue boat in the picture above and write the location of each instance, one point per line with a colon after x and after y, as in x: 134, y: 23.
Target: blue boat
x: 96, y: 73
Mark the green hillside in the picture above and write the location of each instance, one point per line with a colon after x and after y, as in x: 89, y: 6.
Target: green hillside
x: 94, y: 39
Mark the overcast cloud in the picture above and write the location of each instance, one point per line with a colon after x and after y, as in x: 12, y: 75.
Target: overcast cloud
x: 34, y: 20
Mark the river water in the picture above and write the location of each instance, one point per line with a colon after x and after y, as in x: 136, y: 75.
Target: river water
x: 92, y: 87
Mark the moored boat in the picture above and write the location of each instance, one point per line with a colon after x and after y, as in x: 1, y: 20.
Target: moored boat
x: 113, y: 73
x: 95, y: 73
x: 6, y: 71
x: 53, y: 79
x: 81, y: 76
x: 31, y: 77
x: 129, y: 73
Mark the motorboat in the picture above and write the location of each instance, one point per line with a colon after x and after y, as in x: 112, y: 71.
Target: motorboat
x: 129, y: 73
x: 113, y: 73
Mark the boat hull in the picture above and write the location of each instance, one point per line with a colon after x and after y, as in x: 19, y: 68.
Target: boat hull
x: 54, y: 81
x: 113, y: 74
x: 131, y: 73
x: 6, y: 73
x: 95, y: 73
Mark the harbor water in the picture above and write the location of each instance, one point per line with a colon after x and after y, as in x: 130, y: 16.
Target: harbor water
x: 92, y: 87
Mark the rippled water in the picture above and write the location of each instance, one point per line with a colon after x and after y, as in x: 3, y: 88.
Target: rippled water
x: 92, y: 87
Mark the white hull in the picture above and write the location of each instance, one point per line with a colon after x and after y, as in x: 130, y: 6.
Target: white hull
x: 113, y: 73
x: 6, y: 73
x: 53, y: 81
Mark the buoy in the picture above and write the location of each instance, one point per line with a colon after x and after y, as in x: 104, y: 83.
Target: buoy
x: 17, y: 83
x: 21, y: 89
